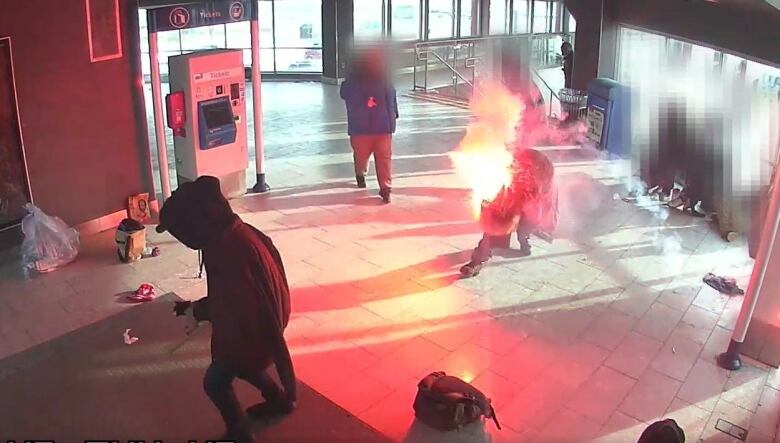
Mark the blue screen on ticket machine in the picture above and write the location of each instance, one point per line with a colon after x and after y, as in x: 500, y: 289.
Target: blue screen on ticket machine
x: 216, y: 123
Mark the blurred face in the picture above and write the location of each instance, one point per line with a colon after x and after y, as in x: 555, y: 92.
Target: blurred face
x: 373, y: 61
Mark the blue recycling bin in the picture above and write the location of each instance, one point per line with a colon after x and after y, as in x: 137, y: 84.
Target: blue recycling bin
x: 608, y: 117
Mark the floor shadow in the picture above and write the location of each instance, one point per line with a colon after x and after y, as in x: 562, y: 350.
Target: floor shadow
x: 409, y: 280
x: 435, y: 230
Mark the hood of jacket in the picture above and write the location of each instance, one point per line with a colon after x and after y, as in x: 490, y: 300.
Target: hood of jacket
x: 196, y: 213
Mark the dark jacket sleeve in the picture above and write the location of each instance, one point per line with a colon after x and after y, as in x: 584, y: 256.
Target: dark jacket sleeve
x: 200, y: 310
x: 281, y: 353
x: 344, y: 90
x: 394, y: 100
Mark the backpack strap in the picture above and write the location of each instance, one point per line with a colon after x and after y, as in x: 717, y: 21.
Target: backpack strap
x: 495, y: 419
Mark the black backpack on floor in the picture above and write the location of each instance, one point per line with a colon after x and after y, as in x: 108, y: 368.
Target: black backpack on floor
x: 448, y: 403
x: 663, y: 431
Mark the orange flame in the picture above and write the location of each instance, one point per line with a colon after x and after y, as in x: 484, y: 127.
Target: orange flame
x: 483, y: 158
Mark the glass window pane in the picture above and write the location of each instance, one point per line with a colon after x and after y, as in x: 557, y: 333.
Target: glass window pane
x: 145, y: 68
x: 572, y: 23
x: 557, y: 19
x: 168, y: 41
x: 368, y: 20
x: 541, y: 16
x: 498, y: 17
x: 469, y: 18
x: 265, y: 17
x: 520, y: 11
x: 238, y: 35
x: 765, y: 77
x: 206, y: 37
x: 732, y: 66
x: 298, y: 23
x: 441, y: 19
x: 266, y: 59
x: 143, y: 29
x: 406, y: 19
x: 299, y: 60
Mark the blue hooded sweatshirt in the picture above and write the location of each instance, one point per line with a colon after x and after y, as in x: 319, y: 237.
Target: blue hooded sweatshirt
x: 372, y: 106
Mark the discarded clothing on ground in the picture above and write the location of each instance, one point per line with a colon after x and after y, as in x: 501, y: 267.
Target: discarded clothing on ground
x: 724, y: 285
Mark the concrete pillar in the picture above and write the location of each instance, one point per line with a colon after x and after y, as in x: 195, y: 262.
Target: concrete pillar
x: 337, y: 32
x: 595, y: 42
x: 587, y: 41
x: 484, y: 18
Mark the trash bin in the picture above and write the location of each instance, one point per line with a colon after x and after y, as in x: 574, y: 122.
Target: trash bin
x: 130, y: 240
x: 574, y: 104
x: 608, y: 116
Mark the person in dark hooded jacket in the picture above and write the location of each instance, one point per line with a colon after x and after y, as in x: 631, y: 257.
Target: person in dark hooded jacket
x: 248, y: 301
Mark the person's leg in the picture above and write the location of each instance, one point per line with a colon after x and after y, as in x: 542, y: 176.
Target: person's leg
x: 383, y: 149
x: 361, y: 152
x: 264, y: 383
x: 483, y: 251
x: 272, y: 393
x: 481, y: 254
x: 218, y: 384
x: 524, y: 230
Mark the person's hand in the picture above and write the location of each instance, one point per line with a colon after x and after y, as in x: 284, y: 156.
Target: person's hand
x: 190, y: 324
x: 288, y: 407
x: 187, y: 311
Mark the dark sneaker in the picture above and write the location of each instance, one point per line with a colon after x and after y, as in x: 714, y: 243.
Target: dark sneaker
x: 525, y: 247
x: 269, y: 409
x: 385, y: 194
x: 694, y: 210
x: 238, y: 436
x: 361, y: 181
x: 470, y: 269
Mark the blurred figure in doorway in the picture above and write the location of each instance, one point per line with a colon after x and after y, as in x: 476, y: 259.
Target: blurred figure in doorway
x: 568, y: 63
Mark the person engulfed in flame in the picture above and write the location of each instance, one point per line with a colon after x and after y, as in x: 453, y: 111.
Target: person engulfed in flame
x: 529, y: 205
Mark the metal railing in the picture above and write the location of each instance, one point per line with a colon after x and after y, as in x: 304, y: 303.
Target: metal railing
x: 454, y: 67
x: 549, y: 93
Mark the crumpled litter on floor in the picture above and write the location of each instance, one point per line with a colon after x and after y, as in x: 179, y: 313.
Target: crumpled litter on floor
x: 129, y: 339
x: 144, y: 293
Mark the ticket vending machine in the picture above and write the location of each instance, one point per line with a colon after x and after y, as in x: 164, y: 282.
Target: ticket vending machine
x: 207, y: 111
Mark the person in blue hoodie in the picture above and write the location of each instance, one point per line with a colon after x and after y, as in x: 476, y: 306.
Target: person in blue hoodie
x: 372, y: 111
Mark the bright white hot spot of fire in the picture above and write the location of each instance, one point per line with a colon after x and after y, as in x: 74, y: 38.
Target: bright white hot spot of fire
x: 484, y: 157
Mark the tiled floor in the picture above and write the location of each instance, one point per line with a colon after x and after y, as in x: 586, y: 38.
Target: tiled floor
x: 589, y: 339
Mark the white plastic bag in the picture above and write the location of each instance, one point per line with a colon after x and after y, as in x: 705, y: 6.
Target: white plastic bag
x: 48, y: 242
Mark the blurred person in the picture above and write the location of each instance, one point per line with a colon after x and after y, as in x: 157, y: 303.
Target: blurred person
x: 567, y: 51
x: 248, y: 303
x: 372, y: 112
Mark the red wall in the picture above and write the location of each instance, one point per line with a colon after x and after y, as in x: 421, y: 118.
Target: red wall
x: 83, y: 123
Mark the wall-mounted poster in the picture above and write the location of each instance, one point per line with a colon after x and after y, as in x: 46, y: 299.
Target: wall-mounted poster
x: 595, y: 122
x: 104, y: 30
x: 14, y: 184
